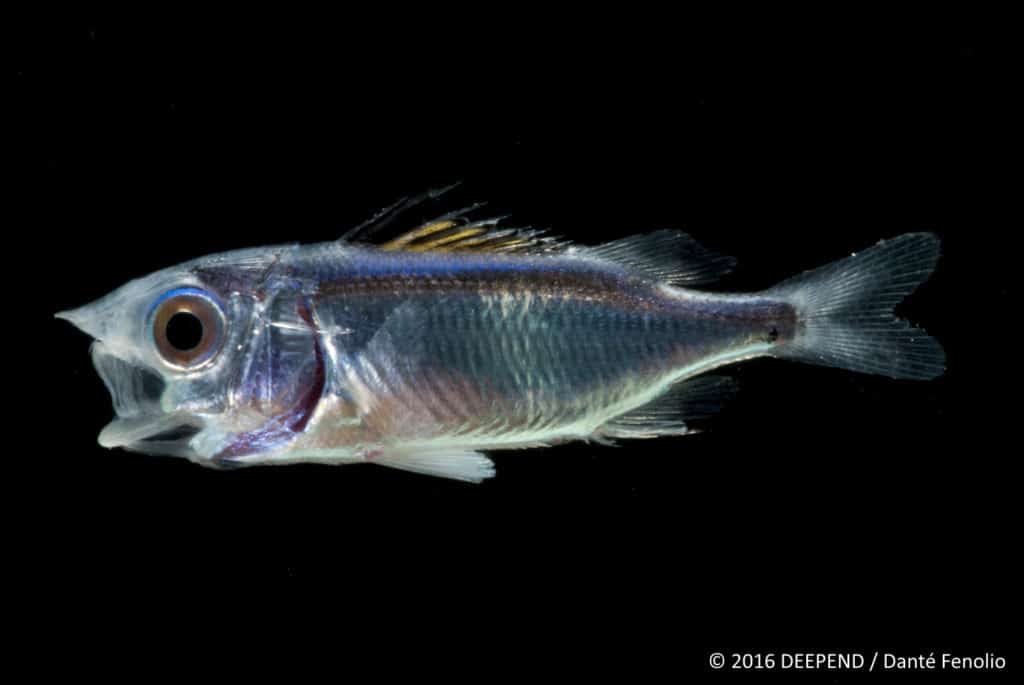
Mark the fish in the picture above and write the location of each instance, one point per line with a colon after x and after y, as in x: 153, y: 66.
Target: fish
x: 433, y: 349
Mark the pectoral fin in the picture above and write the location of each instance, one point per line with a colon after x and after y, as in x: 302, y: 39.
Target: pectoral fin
x: 456, y: 464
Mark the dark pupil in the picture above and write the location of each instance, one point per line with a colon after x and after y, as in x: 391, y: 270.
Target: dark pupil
x: 184, y: 331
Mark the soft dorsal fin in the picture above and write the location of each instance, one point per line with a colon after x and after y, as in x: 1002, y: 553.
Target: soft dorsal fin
x: 670, y: 412
x: 666, y: 255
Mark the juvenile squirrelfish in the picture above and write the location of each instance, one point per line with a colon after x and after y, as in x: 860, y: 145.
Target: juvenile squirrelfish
x: 461, y: 337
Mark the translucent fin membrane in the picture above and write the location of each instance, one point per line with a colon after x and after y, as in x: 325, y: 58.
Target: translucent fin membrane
x: 454, y: 463
x: 845, y: 311
x: 666, y: 255
x: 671, y: 413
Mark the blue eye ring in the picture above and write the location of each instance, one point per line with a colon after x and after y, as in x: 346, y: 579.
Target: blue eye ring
x: 198, y: 306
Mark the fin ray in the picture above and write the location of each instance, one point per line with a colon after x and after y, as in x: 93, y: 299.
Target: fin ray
x: 845, y: 311
x: 457, y: 464
x: 666, y: 255
x: 454, y: 233
x: 671, y: 412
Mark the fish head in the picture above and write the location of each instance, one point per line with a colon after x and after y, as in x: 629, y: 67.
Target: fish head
x: 180, y: 352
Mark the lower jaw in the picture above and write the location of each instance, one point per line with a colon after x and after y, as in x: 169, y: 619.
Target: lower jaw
x: 163, y: 434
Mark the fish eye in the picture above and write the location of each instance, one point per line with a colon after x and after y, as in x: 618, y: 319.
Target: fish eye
x: 188, y: 328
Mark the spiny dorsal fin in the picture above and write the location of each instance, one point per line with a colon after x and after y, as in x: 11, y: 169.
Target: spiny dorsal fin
x: 453, y: 233
x: 670, y: 412
x: 666, y: 255
x: 387, y: 216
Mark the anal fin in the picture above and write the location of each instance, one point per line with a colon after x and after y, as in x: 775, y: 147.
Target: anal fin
x: 671, y: 412
x: 457, y: 464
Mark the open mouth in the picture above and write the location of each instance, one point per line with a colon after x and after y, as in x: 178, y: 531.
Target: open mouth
x: 141, y: 425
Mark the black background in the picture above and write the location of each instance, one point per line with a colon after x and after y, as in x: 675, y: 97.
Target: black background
x: 820, y: 510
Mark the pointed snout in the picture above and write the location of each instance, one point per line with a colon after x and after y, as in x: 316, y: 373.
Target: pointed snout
x: 77, y: 318
x: 90, y: 319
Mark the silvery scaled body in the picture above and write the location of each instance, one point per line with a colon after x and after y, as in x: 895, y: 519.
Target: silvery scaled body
x: 460, y: 338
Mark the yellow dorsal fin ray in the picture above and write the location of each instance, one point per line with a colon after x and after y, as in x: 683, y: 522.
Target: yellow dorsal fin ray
x: 460, y: 235
x: 418, y: 233
x: 446, y: 241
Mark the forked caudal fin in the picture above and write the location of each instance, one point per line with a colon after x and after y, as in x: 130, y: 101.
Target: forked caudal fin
x: 845, y: 311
